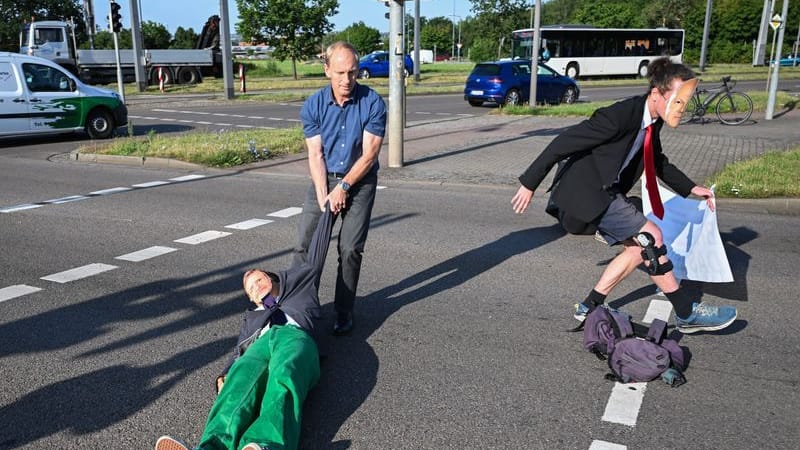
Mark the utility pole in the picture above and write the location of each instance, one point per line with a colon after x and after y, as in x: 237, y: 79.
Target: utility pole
x: 396, y: 78
x: 225, y: 46
x: 773, y: 87
x: 537, y: 37
x: 417, y: 62
x: 138, y: 50
x: 704, y: 45
x: 761, y: 44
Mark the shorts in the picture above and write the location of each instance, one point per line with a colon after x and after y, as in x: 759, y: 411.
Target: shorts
x: 622, y: 220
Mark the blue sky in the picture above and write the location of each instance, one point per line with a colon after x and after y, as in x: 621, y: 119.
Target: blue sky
x: 193, y: 14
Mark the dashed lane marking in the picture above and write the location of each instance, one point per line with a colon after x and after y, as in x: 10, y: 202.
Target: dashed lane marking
x: 200, y: 238
x: 18, y: 290
x: 150, y: 184
x: 71, y: 198
x: 248, y: 224
x: 79, y: 273
x: 187, y: 178
x: 150, y: 252
x: 603, y: 445
x: 111, y: 191
x: 624, y: 403
x: 288, y: 212
x: 19, y: 208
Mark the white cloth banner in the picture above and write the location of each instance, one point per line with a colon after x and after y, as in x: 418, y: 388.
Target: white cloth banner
x: 692, y: 238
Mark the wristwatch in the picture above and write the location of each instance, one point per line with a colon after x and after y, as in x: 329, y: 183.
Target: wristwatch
x: 344, y: 185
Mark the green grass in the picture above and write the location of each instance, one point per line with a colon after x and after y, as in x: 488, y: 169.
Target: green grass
x: 773, y: 174
x: 213, y: 149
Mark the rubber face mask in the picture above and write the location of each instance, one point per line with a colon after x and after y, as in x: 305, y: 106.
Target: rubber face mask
x: 678, y: 101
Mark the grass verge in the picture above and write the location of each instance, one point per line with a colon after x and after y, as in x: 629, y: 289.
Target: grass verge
x: 213, y: 149
x: 773, y: 174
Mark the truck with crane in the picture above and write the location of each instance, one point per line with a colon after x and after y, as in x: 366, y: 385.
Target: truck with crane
x: 56, y: 41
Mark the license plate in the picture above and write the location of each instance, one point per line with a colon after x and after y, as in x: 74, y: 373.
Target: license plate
x: 476, y: 92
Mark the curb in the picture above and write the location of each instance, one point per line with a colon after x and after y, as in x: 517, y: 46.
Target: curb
x: 774, y: 206
x: 143, y: 161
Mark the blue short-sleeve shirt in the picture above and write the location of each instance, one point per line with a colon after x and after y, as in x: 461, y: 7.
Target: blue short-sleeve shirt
x: 342, y: 127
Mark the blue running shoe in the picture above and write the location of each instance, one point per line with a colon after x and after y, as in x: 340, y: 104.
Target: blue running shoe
x: 706, y: 318
x: 581, y: 311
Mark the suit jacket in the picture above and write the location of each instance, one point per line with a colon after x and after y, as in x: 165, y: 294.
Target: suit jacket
x: 597, y: 148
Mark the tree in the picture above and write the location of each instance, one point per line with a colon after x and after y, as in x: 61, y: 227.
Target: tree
x: 611, y: 13
x: 104, y: 40
x: 184, y: 38
x: 494, y: 22
x: 14, y: 13
x: 437, y: 34
x: 365, y: 39
x: 295, y: 28
x: 155, y: 35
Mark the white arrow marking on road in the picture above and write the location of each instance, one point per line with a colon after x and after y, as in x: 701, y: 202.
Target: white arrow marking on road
x: 18, y: 290
x: 79, y: 273
x: 200, y: 238
x: 150, y: 252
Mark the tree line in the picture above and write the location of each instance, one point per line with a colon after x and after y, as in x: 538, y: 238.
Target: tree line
x: 299, y: 29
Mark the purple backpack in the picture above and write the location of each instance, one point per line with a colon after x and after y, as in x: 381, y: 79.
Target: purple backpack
x: 634, y: 353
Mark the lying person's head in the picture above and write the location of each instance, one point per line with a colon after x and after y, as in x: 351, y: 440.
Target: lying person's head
x: 258, y: 284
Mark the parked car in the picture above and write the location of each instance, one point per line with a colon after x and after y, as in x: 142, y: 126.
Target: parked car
x: 788, y: 61
x: 38, y: 96
x: 507, y: 82
x: 376, y: 64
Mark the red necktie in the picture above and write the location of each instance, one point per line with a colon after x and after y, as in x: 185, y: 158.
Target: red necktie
x: 650, y: 174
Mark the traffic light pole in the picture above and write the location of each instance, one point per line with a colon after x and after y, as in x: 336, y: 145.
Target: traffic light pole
x: 113, y: 23
x: 396, y: 87
x: 225, y: 46
x: 138, y: 50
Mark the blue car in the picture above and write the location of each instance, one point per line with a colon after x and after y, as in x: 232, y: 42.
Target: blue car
x: 788, y: 61
x: 376, y: 64
x: 508, y: 82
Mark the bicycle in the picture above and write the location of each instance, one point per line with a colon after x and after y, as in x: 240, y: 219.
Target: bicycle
x: 732, y: 108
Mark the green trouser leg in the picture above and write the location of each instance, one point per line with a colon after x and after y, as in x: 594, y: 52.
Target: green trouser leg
x: 263, y: 396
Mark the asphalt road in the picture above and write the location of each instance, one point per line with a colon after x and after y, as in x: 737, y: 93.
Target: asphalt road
x: 460, y: 338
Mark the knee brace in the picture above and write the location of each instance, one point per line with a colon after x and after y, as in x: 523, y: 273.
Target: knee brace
x: 651, y: 253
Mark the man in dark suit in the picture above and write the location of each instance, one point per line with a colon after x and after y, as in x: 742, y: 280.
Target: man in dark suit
x: 599, y: 161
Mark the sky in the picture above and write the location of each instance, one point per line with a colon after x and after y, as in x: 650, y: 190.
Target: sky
x: 194, y: 13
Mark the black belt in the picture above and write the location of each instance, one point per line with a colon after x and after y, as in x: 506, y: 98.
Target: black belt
x: 337, y: 175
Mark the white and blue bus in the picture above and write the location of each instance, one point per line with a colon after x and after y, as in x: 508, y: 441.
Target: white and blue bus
x: 584, y: 51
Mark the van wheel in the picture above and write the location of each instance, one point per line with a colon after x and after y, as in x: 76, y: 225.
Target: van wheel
x: 643, y: 68
x: 187, y: 75
x: 100, y: 124
x: 573, y: 71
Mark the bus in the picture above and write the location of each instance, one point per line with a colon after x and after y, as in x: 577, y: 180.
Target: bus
x: 584, y: 51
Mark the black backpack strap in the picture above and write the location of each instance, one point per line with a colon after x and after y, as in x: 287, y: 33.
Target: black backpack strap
x: 657, y: 331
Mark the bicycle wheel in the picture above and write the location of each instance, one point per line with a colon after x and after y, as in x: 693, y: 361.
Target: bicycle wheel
x: 734, y: 108
x: 690, y: 113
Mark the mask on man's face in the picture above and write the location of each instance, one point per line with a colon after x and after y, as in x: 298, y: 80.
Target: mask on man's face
x: 677, y: 103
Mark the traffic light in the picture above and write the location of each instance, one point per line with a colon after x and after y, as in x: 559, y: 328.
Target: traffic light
x: 115, y: 18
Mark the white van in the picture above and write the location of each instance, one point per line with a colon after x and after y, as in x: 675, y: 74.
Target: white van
x: 40, y: 97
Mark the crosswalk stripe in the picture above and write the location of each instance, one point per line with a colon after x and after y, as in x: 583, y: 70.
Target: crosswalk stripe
x: 147, y: 253
x: 286, y: 212
x: 248, y: 224
x: 200, y: 238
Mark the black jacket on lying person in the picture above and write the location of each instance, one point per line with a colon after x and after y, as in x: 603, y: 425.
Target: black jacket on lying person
x: 299, y: 292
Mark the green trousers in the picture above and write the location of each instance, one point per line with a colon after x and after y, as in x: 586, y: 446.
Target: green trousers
x: 262, y: 399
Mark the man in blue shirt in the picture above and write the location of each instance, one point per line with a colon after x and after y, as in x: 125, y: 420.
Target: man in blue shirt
x: 343, y: 124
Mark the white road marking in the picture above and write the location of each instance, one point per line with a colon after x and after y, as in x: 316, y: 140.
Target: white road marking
x: 18, y: 290
x: 287, y: 212
x: 623, y: 406
x: 255, y: 117
x: 71, y: 198
x: 111, y: 191
x: 204, y: 122
x: 248, y: 224
x: 19, y: 208
x: 150, y: 184
x: 150, y: 252
x: 187, y: 178
x: 79, y: 273
x: 380, y: 187
x: 200, y: 238
x: 658, y: 309
x: 603, y: 445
